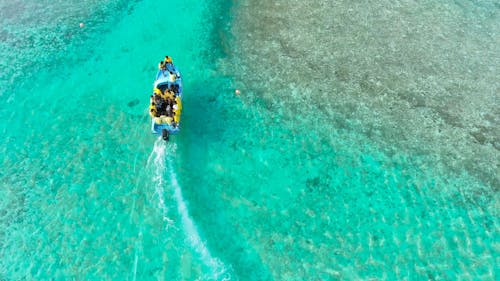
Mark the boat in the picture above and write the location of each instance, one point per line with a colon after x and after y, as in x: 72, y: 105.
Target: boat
x: 166, y: 102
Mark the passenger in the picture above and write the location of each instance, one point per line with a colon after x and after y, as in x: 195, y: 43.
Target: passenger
x: 165, y: 95
x: 168, y: 110
x: 162, y: 65
x: 172, y: 76
x: 161, y: 95
x: 175, y: 88
x: 169, y: 65
x: 166, y: 119
x: 169, y: 95
x: 162, y: 108
x: 156, y: 91
x: 177, y: 114
x: 157, y: 100
x: 152, y: 112
x: 178, y: 102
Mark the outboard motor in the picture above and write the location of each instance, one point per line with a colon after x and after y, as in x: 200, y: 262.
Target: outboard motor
x: 165, y: 134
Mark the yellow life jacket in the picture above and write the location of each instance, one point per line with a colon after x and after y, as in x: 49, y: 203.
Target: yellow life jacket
x: 177, y: 115
x: 167, y: 120
x: 152, y: 111
x: 157, y: 91
x: 162, y: 96
x: 168, y: 59
x: 179, y: 102
x: 169, y: 95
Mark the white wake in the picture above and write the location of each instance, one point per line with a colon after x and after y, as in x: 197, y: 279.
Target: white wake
x: 159, y: 157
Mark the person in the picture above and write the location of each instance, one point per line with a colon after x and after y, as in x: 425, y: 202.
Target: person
x: 161, y: 65
x: 165, y: 95
x: 161, y: 95
x: 175, y: 88
x: 157, y: 99
x: 169, y: 65
x: 172, y: 76
x: 160, y: 104
x: 177, y: 114
x: 157, y: 120
x: 163, y: 119
x: 178, y: 101
x: 169, y: 95
x: 153, y: 111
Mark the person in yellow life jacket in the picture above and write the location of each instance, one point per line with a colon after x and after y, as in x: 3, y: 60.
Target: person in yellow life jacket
x: 177, y: 114
x: 161, y: 65
x: 168, y: 60
x: 169, y: 95
x: 178, y: 102
x: 166, y: 119
x: 152, y: 111
x: 162, y: 95
x: 157, y: 91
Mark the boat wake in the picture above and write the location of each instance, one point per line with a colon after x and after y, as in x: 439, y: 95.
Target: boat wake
x: 162, y: 159
x: 157, y: 157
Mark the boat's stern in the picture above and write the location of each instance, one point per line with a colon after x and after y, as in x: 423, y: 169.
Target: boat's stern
x: 163, y: 129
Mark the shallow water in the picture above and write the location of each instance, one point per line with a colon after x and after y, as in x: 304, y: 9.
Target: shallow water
x: 392, y: 110
x: 363, y: 145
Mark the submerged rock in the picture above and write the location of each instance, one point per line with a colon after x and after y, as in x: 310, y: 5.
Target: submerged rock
x: 133, y: 102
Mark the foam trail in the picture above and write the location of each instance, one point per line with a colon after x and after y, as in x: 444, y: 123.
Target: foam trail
x: 219, y: 270
x: 158, y: 157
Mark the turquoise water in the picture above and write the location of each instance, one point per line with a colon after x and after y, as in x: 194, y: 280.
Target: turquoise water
x: 364, y: 144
